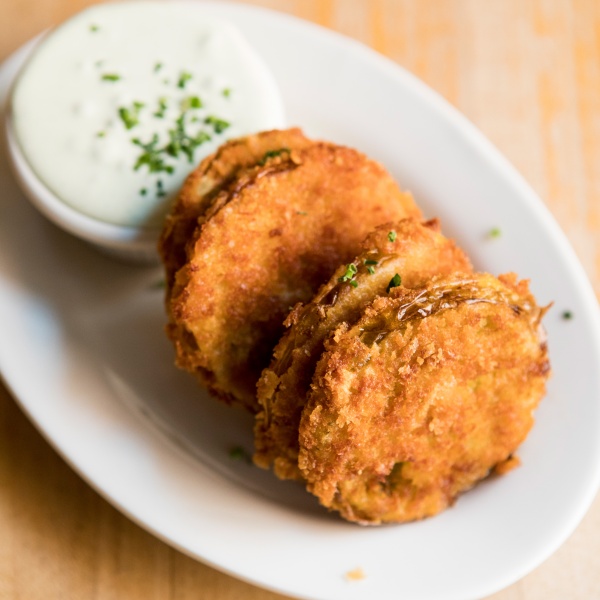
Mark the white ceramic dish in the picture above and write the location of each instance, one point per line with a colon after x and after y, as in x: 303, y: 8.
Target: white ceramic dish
x: 84, y: 353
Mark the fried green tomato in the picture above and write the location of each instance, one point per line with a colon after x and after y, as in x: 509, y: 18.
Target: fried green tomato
x: 429, y: 391
x: 212, y: 175
x: 269, y: 239
x: 410, y: 250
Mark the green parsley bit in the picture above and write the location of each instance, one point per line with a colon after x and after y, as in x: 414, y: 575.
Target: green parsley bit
x: 495, y: 233
x: 219, y: 125
x: 110, y: 77
x: 349, y: 275
x: 371, y: 270
x: 151, y: 157
x: 162, y: 107
x: 101, y: 134
x: 392, y: 236
x: 160, y: 190
x: 371, y: 262
x: 240, y: 453
x: 395, y: 281
x: 272, y: 154
x: 157, y: 67
x: 94, y: 28
x: 129, y: 116
x: 567, y: 315
x: 191, y: 102
x: 143, y: 192
x: 226, y: 92
x: 184, y: 77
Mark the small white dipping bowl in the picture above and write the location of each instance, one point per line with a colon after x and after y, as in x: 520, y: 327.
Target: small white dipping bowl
x: 133, y: 244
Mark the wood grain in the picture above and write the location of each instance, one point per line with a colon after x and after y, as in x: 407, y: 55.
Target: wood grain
x: 527, y: 73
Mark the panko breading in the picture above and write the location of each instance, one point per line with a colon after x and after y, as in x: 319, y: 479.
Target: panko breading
x: 267, y: 241
x: 213, y: 174
x: 422, y: 397
x: 417, y: 253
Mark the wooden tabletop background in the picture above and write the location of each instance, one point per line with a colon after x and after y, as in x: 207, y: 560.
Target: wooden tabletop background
x: 527, y: 73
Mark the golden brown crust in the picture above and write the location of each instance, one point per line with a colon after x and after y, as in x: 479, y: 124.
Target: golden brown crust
x: 419, y: 251
x: 422, y: 397
x: 269, y: 238
x: 213, y: 174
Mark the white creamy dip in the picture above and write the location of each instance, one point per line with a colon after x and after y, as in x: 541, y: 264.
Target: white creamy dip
x: 117, y: 105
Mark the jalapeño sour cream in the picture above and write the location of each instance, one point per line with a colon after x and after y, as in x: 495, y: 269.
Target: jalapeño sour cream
x: 117, y: 105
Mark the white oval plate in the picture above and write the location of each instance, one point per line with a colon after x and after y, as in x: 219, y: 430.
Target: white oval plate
x: 84, y: 352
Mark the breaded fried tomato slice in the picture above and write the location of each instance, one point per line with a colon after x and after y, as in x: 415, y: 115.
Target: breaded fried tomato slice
x: 410, y: 250
x: 214, y: 173
x: 422, y: 397
x: 269, y: 240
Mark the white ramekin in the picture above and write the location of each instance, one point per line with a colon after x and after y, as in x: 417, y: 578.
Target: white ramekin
x: 133, y: 244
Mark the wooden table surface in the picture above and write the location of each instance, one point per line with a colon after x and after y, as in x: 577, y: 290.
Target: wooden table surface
x: 527, y: 73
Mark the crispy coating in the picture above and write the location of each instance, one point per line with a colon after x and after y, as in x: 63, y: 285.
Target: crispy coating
x: 268, y: 240
x: 212, y: 175
x: 423, y: 397
x: 418, y: 252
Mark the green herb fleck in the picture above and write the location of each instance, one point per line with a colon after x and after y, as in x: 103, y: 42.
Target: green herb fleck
x: 226, y: 92
x: 349, y: 275
x: 370, y: 262
x: 180, y: 141
x: 219, y: 125
x: 161, y: 284
x: 101, y: 134
x: 191, y: 102
x: 160, y: 190
x: 98, y: 63
x: 184, y: 77
x: 271, y: 154
x: 371, y: 270
x: 130, y: 116
x: 110, y: 77
x: 392, y: 236
x: 567, y: 315
x: 143, y: 192
x: 395, y: 281
x: 353, y: 283
x: 240, y: 453
x: 495, y: 233
x: 162, y: 107
x: 157, y: 67
x: 94, y: 28
x: 151, y: 157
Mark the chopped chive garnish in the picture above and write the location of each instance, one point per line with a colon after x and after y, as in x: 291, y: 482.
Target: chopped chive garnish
x: 226, y: 92
x: 239, y: 453
x: 271, y: 154
x: 162, y: 107
x: 160, y: 190
x: 143, y: 192
x: 392, y: 236
x: 495, y: 233
x: 101, y: 134
x: 395, y: 281
x: 130, y: 116
x: 348, y: 276
x: 191, y: 102
x: 219, y: 125
x: 371, y: 270
x: 151, y: 157
x: 567, y: 315
x: 157, y: 67
x: 184, y: 77
x: 94, y: 28
x: 353, y: 283
x: 111, y: 77
x: 370, y: 262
